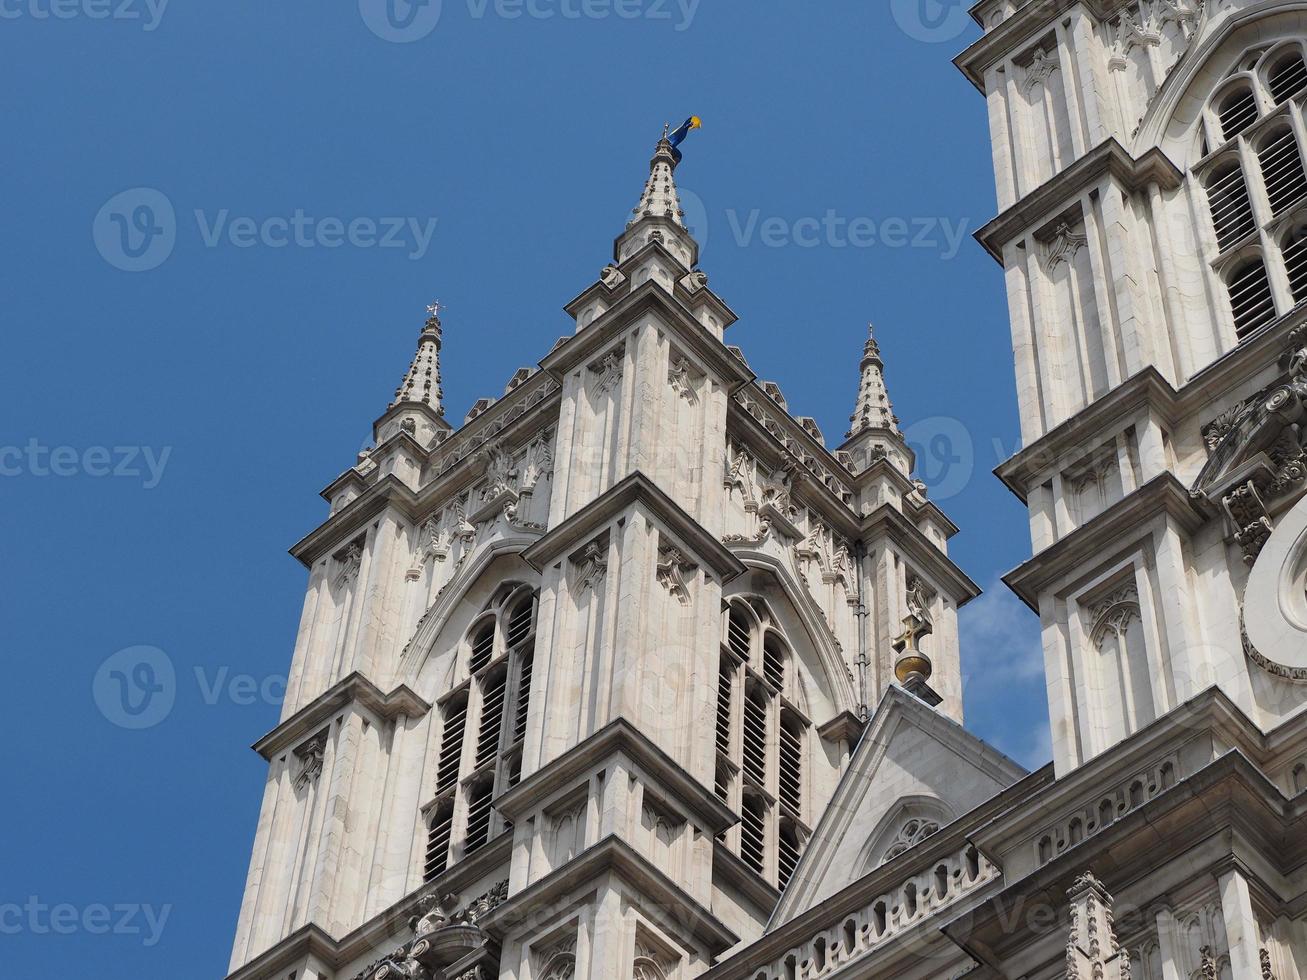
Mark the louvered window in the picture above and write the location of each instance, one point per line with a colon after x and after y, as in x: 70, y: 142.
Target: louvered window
x: 523, y: 695
x: 1238, y: 111
x: 1295, y: 262
x: 787, y: 853
x: 1232, y: 212
x: 478, y: 815
x: 755, y: 736
x: 451, y: 744
x: 439, y: 833
x: 725, y: 690
x: 773, y: 663
x: 492, y: 716
x: 753, y: 833
x: 1250, y: 297
x: 1282, y: 170
x: 1288, y: 77
x: 738, y: 633
x: 521, y: 622
x: 722, y: 782
x: 483, y: 647
x: 791, y: 764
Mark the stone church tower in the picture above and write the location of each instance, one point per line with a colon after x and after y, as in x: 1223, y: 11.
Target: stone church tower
x: 575, y: 681
x: 630, y: 677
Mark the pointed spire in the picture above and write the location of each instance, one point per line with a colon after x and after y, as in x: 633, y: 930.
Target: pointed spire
x: 660, y: 199
x: 421, y: 385
x: 874, y: 410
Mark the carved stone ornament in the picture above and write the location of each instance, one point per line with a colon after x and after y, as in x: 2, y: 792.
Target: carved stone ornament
x: 1267, y: 972
x: 1064, y: 247
x: 1092, y: 951
x: 612, y: 277
x: 1042, y: 65
x: 590, y: 567
x: 673, y: 573
x: 606, y: 373
x: 501, y: 472
x: 310, y: 757
x: 351, y: 560
x: 682, y: 380
x: 425, y: 958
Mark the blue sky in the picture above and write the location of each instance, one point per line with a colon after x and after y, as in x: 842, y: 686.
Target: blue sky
x: 330, y: 169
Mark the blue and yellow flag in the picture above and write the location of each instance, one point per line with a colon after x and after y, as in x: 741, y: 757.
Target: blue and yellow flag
x: 678, y: 137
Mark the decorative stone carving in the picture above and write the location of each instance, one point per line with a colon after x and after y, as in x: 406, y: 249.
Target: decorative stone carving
x: 694, y: 282
x: 912, y: 833
x: 606, y: 373
x: 919, y: 596
x: 1092, y: 951
x: 590, y: 567
x: 559, y: 962
x: 673, y: 569
x: 611, y: 276
x: 1041, y: 67
x: 539, y: 462
x: 1114, y: 613
x: 1064, y: 247
x: 1267, y: 972
x: 649, y: 964
x: 351, y: 561
x: 501, y: 472
x: 682, y: 381
x: 310, y: 756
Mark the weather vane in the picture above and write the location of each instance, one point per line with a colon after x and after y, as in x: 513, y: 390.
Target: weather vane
x: 435, y: 308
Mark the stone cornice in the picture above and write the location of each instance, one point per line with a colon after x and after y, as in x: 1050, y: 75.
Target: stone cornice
x: 844, y: 727
x: 379, y: 933
x: 636, y: 488
x: 618, y: 737
x: 889, y: 521
x: 729, y: 868
x: 354, y: 517
x: 615, y: 856
x: 1163, y: 495
x: 1090, y: 428
x: 1109, y: 157
x: 1023, y: 26
x: 648, y: 298
x: 353, y: 689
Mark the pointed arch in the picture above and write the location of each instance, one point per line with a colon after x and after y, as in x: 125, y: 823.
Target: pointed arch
x: 908, y: 823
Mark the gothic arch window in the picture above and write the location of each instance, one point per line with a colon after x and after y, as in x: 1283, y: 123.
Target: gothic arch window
x: 1293, y: 246
x: 1231, y: 208
x: 1252, y: 303
x: 1237, y: 110
x: 911, y: 833
x: 1122, y: 669
x: 902, y: 829
x: 762, y: 739
x: 489, y: 710
x: 1286, y: 73
x: 1281, y: 165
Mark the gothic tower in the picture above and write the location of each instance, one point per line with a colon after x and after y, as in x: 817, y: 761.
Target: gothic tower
x: 1153, y: 235
x: 575, y: 681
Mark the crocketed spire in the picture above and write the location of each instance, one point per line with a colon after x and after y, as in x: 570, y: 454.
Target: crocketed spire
x: 660, y: 199
x: 421, y: 385
x: 874, y: 410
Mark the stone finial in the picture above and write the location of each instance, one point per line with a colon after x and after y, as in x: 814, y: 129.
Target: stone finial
x: 1092, y: 950
x: 421, y: 385
x: 873, y: 410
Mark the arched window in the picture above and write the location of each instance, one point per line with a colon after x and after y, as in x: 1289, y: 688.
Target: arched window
x: 493, y: 703
x: 761, y: 737
x: 912, y: 832
x: 1232, y: 211
x: 1293, y: 248
x: 440, y: 830
x: 1251, y: 301
x: 1237, y: 111
x: 1287, y: 76
x: 1282, y: 168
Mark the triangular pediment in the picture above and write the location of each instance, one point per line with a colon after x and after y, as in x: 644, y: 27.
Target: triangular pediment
x: 914, y: 768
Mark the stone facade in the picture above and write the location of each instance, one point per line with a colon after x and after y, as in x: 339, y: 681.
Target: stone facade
x: 632, y: 676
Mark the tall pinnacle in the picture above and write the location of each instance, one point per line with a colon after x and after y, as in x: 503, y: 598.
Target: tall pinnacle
x: 660, y: 199
x: 874, y: 410
x: 421, y: 385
